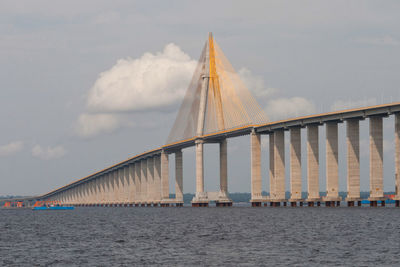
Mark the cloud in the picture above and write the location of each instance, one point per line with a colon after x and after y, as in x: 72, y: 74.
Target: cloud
x: 89, y: 125
x: 148, y: 83
x: 346, y: 104
x: 282, y: 108
x: 256, y: 85
x: 48, y: 153
x: 152, y: 82
x: 385, y: 40
x: 11, y: 148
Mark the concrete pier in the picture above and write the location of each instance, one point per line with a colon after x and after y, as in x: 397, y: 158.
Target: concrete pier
x: 144, y: 182
x: 256, y: 185
x: 179, y: 177
x: 138, y: 182
x: 277, y: 191
x: 397, y: 157
x: 132, y: 185
x: 295, y: 166
x: 332, y: 165
x: 223, y: 197
x: 271, y: 152
x: 353, y: 161
x: 164, y: 176
x: 200, y: 199
x: 150, y: 180
x: 157, y: 179
x: 376, y: 159
x: 312, y: 164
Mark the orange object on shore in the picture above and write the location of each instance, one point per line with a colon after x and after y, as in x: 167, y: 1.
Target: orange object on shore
x: 46, y: 203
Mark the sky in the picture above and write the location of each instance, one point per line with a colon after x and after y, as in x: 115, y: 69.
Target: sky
x: 86, y: 84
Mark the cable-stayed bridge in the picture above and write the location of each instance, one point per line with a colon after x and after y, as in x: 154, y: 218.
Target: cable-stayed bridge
x: 218, y: 106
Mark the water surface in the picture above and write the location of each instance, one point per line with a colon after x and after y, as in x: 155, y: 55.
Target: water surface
x: 237, y: 236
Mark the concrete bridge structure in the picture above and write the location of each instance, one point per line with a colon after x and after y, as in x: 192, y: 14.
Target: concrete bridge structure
x: 216, y: 107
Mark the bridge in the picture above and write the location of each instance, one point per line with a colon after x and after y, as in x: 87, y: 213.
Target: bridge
x: 218, y: 106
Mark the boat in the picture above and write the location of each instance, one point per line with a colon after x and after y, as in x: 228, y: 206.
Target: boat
x: 54, y: 208
x: 388, y: 200
x: 51, y: 205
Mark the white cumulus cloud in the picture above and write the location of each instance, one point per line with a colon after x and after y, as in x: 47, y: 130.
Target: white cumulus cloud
x: 11, y: 148
x: 346, y: 104
x: 89, y: 125
x: 256, y: 85
x: 147, y: 83
x: 283, y: 108
x: 48, y: 153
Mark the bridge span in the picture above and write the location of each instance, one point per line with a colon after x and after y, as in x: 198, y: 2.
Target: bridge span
x: 218, y: 106
x: 143, y: 180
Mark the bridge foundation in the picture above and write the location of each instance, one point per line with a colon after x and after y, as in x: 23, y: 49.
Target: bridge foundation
x: 178, y: 177
x: 353, y: 162
x: 200, y: 199
x: 223, y: 199
x: 332, y: 164
x: 376, y: 160
x: 312, y: 165
x: 295, y: 166
x: 164, y: 178
x: 256, y: 184
x: 277, y: 168
x: 397, y: 158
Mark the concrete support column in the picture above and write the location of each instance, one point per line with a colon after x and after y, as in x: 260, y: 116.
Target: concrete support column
x: 179, y: 176
x: 376, y: 158
x: 150, y: 181
x: 164, y: 175
x: 125, y: 184
x: 92, y: 192
x: 312, y: 163
x: 143, y: 184
x: 132, y: 185
x: 79, y: 194
x: 200, y: 198
x: 107, y: 184
x: 397, y: 157
x: 295, y: 164
x: 98, y: 195
x: 76, y: 195
x: 85, y: 190
x: 157, y: 179
x: 102, y: 188
x: 332, y: 163
x: 138, y: 182
x: 256, y: 183
x: 84, y: 193
x: 199, y: 167
x: 72, y: 195
x: 116, y: 181
x: 271, y: 166
x: 223, y: 197
x: 223, y: 166
x: 279, y: 162
x: 353, y: 161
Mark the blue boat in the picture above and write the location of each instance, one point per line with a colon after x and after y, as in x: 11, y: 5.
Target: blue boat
x: 50, y: 205
x: 54, y: 208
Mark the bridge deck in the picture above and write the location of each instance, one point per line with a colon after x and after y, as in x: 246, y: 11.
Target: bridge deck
x: 342, y: 115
